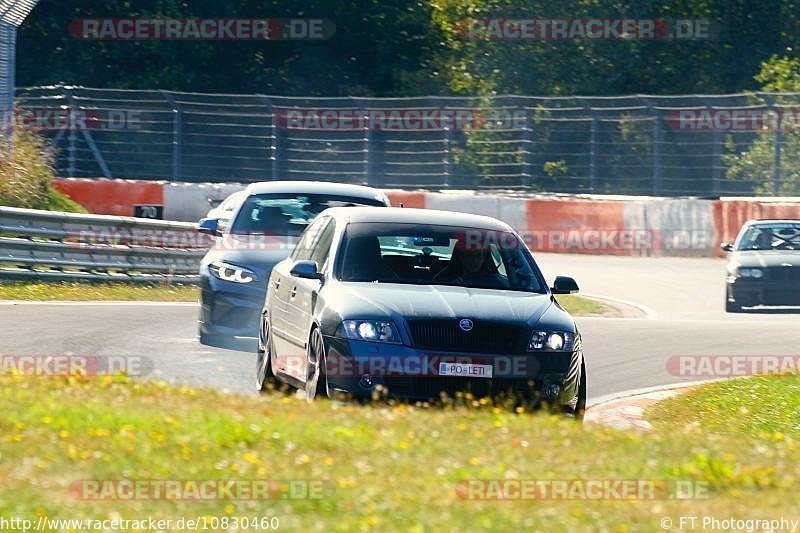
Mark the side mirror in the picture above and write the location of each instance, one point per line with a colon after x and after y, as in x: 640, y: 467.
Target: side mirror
x: 564, y: 285
x: 209, y: 226
x: 726, y: 247
x: 305, y: 269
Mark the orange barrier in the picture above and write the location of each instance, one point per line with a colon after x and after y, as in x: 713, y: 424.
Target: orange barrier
x: 730, y: 215
x: 111, y: 197
x: 414, y: 199
x: 576, y: 226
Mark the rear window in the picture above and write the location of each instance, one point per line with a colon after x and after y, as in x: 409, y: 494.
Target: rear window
x: 287, y: 214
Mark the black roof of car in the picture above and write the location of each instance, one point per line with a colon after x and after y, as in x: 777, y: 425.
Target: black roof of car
x: 405, y: 215
x: 315, y: 187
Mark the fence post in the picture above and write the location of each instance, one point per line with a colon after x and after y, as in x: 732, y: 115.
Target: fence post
x: 592, y: 145
x: 776, y: 181
x: 177, y: 116
x: 448, y: 154
x: 71, y: 152
x: 8, y: 46
x: 656, y: 171
x: 273, y: 145
x: 657, y: 186
x: 527, y: 153
x: 368, y: 177
x: 716, y: 178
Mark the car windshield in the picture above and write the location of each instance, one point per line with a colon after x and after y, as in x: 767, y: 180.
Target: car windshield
x: 288, y: 214
x: 438, y: 255
x: 764, y: 237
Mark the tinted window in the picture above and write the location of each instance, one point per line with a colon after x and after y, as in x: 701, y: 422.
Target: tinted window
x: 304, y: 247
x: 323, y: 247
x: 438, y: 255
x: 287, y: 214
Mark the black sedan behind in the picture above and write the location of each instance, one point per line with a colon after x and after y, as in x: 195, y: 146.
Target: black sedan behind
x: 764, y: 265
x: 262, y: 232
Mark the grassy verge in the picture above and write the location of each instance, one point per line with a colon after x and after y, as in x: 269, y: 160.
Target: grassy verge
x: 762, y: 406
x: 26, y: 174
x: 582, y: 306
x: 59, y: 202
x: 387, y: 467
x: 97, y: 292
x: 576, y: 305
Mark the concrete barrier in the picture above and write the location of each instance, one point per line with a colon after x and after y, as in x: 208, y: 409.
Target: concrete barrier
x: 593, y: 224
x: 191, y: 201
x: 111, y: 197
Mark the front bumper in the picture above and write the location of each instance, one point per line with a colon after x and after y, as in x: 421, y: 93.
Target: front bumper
x: 752, y: 292
x: 357, y: 368
x: 230, y: 310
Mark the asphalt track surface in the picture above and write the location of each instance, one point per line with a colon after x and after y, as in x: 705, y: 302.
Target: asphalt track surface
x: 681, y: 302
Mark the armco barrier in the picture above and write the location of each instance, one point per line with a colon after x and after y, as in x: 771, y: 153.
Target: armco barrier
x: 52, y: 246
x: 595, y: 224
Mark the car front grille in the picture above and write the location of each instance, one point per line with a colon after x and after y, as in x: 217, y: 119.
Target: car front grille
x: 783, y: 273
x: 433, y: 389
x: 485, y: 337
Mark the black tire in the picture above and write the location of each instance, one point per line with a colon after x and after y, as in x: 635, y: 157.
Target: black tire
x: 209, y: 340
x: 580, y: 406
x: 316, y: 380
x: 264, y: 374
x: 732, y: 307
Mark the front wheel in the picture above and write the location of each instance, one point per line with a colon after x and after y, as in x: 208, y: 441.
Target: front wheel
x: 580, y: 405
x: 316, y: 380
x: 264, y: 373
x: 732, y: 307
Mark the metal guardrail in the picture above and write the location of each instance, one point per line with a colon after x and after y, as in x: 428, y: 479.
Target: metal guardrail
x: 54, y: 246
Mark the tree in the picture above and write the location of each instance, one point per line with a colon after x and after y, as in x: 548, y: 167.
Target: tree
x: 758, y: 163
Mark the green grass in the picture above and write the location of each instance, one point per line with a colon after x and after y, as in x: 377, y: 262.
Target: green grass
x: 390, y: 467
x: 97, y: 292
x: 60, y: 202
x: 761, y: 406
x: 26, y: 174
x: 582, y: 306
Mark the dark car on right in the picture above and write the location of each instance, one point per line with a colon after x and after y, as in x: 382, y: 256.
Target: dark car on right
x: 764, y: 265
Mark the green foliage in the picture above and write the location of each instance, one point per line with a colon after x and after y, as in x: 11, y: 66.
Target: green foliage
x: 409, y: 47
x: 757, y: 163
x: 25, y: 176
x: 724, y: 63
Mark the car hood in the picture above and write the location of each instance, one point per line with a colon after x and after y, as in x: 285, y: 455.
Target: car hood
x: 754, y: 258
x: 255, y: 252
x: 400, y: 301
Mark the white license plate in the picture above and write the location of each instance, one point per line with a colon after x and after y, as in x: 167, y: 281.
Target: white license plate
x: 465, y: 370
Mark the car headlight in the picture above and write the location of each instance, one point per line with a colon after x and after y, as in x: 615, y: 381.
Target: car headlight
x: 369, y: 330
x: 228, y: 272
x: 551, y: 341
x: 751, y: 273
